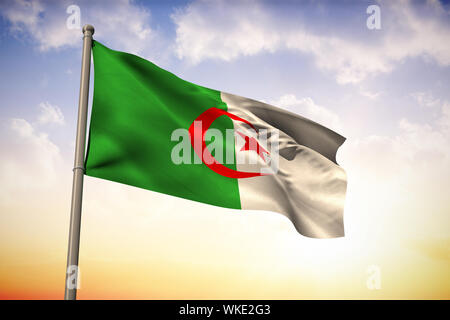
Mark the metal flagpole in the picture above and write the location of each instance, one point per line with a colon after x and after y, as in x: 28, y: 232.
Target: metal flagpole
x: 72, y: 274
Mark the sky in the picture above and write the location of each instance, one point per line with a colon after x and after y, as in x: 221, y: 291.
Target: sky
x: 386, y: 90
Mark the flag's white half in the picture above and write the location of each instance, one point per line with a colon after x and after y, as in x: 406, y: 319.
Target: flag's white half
x: 309, y: 187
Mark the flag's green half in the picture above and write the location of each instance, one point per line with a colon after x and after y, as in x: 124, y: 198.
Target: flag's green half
x: 135, y: 109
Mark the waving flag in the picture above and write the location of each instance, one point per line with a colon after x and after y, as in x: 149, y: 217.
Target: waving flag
x: 153, y: 130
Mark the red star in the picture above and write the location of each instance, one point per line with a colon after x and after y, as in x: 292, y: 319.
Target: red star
x: 252, y: 144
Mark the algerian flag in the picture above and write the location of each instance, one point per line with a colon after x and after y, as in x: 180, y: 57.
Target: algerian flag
x: 153, y: 130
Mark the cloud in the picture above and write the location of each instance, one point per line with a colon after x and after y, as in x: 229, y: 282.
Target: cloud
x: 31, y: 163
x: 22, y: 14
x: 417, y: 149
x: 307, y: 108
x: 214, y: 30
x: 350, y: 61
x: 33, y: 19
x: 369, y: 94
x: 122, y: 23
x: 50, y: 114
x: 399, y: 183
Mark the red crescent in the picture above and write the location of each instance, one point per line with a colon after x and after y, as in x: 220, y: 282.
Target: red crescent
x: 206, y: 119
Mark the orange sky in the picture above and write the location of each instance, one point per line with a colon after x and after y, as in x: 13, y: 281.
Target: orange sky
x: 139, y: 245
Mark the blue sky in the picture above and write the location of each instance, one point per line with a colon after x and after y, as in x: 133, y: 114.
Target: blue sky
x: 386, y: 90
x: 51, y: 74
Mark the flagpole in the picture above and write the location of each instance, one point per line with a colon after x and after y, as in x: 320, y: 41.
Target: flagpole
x: 72, y: 273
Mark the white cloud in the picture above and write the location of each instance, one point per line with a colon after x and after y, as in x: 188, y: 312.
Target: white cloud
x: 307, y: 108
x: 350, y: 61
x: 424, y: 34
x: 399, y: 184
x: 416, y: 145
x: 122, y: 23
x: 369, y: 94
x: 32, y: 18
x: 208, y: 29
x: 25, y: 17
x: 50, y: 114
x: 31, y: 163
x: 216, y: 29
